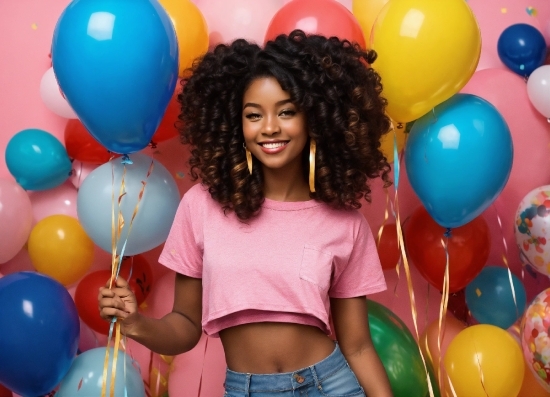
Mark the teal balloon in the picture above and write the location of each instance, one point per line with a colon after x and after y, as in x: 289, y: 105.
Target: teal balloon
x: 155, y: 212
x: 458, y: 158
x: 85, y: 377
x: 399, y: 352
x: 490, y: 299
x: 37, y: 160
x: 116, y: 62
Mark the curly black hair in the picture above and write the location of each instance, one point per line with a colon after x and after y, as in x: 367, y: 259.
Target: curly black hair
x: 328, y: 79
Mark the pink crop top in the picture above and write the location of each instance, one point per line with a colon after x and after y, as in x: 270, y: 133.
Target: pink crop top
x: 280, y: 266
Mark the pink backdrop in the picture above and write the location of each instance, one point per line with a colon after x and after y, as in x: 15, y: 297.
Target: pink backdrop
x: 27, y: 28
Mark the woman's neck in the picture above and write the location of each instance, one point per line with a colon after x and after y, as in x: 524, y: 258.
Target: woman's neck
x: 285, y: 185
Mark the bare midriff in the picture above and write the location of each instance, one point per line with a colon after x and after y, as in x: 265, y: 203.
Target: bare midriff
x: 268, y: 348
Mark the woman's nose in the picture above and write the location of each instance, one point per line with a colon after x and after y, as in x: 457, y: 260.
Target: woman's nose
x: 271, y: 125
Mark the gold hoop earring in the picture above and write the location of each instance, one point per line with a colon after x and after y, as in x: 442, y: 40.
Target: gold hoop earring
x: 312, y: 152
x: 248, y: 160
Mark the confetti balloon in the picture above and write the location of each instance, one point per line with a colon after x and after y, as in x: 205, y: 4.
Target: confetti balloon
x: 535, y: 340
x: 532, y: 229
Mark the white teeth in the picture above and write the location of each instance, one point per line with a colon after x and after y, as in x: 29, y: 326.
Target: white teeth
x: 273, y: 145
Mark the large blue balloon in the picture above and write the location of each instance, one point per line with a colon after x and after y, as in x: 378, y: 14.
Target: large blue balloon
x: 85, y: 378
x: 490, y: 300
x: 522, y: 48
x: 37, y: 160
x: 39, y: 332
x: 458, y: 158
x: 155, y: 212
x: 116, y: 61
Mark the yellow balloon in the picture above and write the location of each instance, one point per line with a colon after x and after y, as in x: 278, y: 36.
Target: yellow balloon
x: 60, y: 248
x: 387, y: 142
x: 484, y: 361
x: 191, y: 30
x: 366, y: 11
x: 427, y: 51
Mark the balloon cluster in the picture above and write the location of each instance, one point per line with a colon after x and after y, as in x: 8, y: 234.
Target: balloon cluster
x: 473, y: 131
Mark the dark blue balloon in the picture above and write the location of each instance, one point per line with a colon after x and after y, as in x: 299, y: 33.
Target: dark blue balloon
x: 458, y: 158
x: 489, y: 297
x: 116, y: 61
x: 37, y: 160
x: 522, y: 48
x: 39, y: 333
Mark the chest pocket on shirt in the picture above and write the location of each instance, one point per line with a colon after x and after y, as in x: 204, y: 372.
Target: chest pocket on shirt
x: 316, y: 267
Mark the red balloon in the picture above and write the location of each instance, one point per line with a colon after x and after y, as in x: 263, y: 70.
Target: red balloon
x: 324, y: 17
x: 468, y: 248
x: 388, y: 249
x: 167, y: 127
x: 87, y: 290
x: 82, y: 146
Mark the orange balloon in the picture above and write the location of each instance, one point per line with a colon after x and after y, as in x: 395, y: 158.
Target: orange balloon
x: 428, y: 344
x: 366, y: 12
x: 191, y: 30
x: 60, y: 248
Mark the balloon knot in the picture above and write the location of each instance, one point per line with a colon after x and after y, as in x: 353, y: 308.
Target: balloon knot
x: 153, y: 145
x: 126, y: 159
x: 447, y: 232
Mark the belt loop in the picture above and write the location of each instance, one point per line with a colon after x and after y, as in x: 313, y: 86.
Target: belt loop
x: 247, y: 385
x: 314, y: 373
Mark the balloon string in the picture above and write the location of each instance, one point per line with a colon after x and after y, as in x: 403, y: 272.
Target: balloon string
x: 505, y: 261
x: 444, y: 304
x: 478, y: 361
x: 117, y: 259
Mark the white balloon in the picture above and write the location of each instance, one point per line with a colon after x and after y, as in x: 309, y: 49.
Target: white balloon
x: 52, y: 97
x: 538, y: 89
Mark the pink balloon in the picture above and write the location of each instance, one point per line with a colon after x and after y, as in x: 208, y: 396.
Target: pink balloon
x: 60, y: 200
x: 80, y: 172
x: 531, y: 167
x: 202, y: 367
x: 15, y: 219
x: 232, y: 19
x: 493, y: 16
x: 53, y: 98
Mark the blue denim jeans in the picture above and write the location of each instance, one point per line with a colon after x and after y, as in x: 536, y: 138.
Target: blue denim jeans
x: 331, y: 377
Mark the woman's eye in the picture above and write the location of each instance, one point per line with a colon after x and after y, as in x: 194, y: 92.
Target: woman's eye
x: 252, y: 116
x: 288, y: 113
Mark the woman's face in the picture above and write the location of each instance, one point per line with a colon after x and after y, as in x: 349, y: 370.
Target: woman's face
x: 274, y: 130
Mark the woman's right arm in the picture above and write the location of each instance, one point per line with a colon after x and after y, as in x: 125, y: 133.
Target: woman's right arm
x: 175, y: 333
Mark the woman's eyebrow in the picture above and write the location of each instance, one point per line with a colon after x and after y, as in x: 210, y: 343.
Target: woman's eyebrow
x: 255, y: 105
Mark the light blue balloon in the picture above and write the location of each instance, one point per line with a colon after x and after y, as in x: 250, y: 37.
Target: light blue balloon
x: 155, y: 213
x: 490, y: 300
x: 37, y: 160
x: 116, y: 61
x: 85, y: 377
x: 458, y: 158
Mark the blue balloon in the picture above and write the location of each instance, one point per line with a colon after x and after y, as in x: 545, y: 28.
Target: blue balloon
x: 458, y: 158
x: 156, y: 210
x: 39, y: 333
x: 37, y: 160
x: 490, y: 300
x: 85, y: 378
x: 522, y: 48
x: 116, y: 62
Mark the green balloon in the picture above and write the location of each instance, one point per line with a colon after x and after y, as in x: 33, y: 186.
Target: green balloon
x: 399, y: 353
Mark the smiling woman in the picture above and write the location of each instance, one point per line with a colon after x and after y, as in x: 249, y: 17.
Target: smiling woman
x: 270, y: 247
